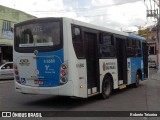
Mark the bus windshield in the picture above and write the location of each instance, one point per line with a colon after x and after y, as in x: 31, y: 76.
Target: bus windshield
x: 43, y: 34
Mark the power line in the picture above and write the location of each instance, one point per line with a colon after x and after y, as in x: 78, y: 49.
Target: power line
x: 84, y: 9
x: 80, y: 10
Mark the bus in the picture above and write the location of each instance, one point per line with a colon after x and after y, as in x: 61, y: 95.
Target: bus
x: 67, y: 57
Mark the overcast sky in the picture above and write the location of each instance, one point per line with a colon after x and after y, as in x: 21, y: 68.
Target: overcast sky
x: 122, y: 15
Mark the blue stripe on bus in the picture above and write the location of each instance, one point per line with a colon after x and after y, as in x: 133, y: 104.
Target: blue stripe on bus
x: 49, y: 67
x: 136, y: 37
x: 135, y: 65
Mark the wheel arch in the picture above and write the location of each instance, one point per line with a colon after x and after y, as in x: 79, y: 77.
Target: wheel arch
x: 106, y: 89
x: 110, y: 75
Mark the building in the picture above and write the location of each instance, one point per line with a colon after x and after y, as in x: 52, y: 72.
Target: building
x: 8, y: 17
x: 150, y: 34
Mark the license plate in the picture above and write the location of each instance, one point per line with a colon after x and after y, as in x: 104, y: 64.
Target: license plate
x: 38, y: 82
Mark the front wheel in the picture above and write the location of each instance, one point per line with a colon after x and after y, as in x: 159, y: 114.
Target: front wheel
x: 106, y: 87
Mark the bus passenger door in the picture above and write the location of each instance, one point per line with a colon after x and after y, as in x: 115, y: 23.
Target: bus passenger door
x: 92, y: 62
x: 121, y: 60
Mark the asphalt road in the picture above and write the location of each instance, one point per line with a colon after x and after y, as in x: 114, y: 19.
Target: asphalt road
x: 144, y: 98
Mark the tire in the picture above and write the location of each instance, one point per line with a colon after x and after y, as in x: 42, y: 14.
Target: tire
x: 106, y: 87
x: 136, y: 84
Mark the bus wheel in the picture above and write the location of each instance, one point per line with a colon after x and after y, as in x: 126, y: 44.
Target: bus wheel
x: 106, y: 87
x: 137, y: 80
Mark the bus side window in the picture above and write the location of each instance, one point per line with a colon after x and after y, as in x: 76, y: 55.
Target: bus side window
x: 138, y: 48
x: 106, y: 46
x: 130, y: 50
x: 77, y: 42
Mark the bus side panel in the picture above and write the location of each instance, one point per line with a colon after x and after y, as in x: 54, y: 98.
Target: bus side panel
x: 108, y: 66
x: 135, y: 65
x: 49, y: 68
x: 82, y: 77
x: 129, y: 70
x: 142, y: 69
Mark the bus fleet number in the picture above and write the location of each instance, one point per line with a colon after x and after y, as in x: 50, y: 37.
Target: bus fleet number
x: 49, y: 61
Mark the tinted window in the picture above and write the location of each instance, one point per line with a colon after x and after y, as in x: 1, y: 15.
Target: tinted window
x: 130, y: 48
x: 138, y: 48
x: 106, y: 46
x: 129, y: 43
x: 78, y: 42
x: 133, y: 48
x: 138, y: 44
x: 38, y: 34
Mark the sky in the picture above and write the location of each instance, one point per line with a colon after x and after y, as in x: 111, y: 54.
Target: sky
x: 122, y: 15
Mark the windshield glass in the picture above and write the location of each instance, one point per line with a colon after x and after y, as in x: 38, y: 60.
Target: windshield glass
x: 38, y: 34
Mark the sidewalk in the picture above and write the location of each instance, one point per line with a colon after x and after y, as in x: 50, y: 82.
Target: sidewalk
x: 152, y: 92
x: 155, y: 76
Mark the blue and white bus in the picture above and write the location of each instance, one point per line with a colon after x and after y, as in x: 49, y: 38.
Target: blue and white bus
x: 62, y: 56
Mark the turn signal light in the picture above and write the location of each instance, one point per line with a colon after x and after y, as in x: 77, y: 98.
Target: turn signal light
x: 16, y: 72
x: 64, y: 66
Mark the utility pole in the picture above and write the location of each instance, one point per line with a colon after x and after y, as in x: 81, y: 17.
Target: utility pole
x: 155, y: 13
x: 158, y: 31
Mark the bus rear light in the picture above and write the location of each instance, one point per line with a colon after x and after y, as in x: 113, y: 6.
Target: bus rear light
x: 63, y: 73
x: 15, y: 67
x: 16, y: 73
x: 63, y: 80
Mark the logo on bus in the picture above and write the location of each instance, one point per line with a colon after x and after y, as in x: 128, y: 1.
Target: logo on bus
x: 24, y: 62
x: 109, y: 66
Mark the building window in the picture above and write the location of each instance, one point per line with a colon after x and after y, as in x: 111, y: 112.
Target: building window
x: 6, y: 25
x: 152, y: 50
x: 7, y: 30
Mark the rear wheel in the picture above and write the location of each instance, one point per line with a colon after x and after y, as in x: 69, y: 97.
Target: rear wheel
x: 106, y: 87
